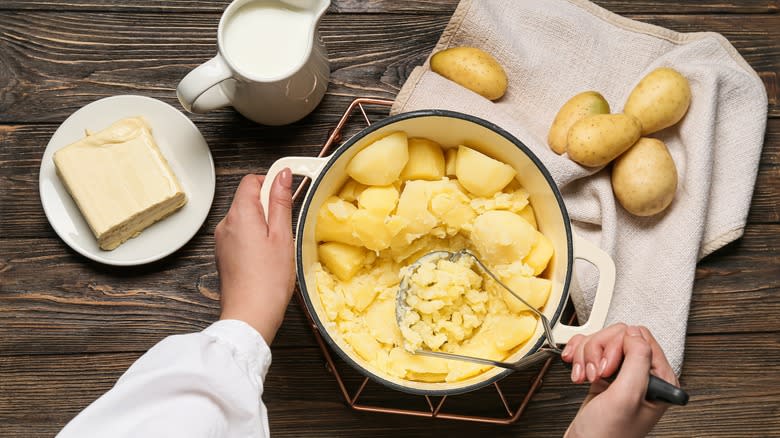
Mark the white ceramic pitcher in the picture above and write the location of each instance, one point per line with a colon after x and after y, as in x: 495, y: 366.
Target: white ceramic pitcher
x: 266, y: 88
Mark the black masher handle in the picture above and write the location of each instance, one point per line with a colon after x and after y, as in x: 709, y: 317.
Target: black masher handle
x: 658, y: 389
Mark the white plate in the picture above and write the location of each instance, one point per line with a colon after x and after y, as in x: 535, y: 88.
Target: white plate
x: 182, y: 145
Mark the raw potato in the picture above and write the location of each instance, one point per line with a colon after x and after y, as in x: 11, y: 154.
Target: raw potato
x: 644, y: 179
x: 341, y: 259
x: 472, y: 68
x: 426, y: 160
x: 596, y: 140
x: 578, y: 107
x: 381, y: 162
x: 480, y: 174
x: 660, y: 99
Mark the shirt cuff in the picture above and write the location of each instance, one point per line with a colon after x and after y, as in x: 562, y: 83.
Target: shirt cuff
x: 246, y: 343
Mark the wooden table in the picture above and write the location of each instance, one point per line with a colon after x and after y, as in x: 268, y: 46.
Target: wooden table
x: 70, y: 327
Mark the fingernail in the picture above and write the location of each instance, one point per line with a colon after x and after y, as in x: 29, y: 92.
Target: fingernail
x: 285, y: 178
x: 633, y: 331
x: 566, y: 351
x: 576, y: 372
x: 602, y: 365
x: 590, y: 371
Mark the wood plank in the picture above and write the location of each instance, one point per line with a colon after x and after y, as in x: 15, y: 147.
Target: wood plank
x: 54, y: 63
x: 82, y: 57
x: 395, y: 6
x: 54, y: 301
x: 34, y: 397
x: 723, y: 289
x: 238, y: 148
x: 242, y: 147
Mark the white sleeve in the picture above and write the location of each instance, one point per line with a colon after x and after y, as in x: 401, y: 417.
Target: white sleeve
x: 205, y: 384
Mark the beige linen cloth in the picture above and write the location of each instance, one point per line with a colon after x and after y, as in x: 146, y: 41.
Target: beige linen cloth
x: 554, y: 49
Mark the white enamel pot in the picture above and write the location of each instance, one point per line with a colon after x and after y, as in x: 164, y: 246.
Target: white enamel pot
x: 450, y: 129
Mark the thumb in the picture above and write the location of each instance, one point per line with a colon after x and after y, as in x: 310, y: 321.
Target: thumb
x: 632, y: 379
x: 280, y: 204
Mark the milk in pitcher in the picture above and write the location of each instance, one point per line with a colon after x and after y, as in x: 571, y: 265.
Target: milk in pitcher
x: 268, y: 39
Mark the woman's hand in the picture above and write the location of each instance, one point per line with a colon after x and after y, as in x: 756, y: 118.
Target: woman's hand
x: 255, y: 257
x: 619, y: 408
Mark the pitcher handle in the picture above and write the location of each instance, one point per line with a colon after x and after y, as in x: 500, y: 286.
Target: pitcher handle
x: 199, y: 91
x: 303, y: 166
x: 585, y: 250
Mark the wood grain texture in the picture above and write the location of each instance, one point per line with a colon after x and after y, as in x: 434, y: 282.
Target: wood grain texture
x: 54, y: 63
x: 393, y: 6
x: 69, y: 327
x: 80, y: 306
x: 736, y: 396
x: 241, y: 147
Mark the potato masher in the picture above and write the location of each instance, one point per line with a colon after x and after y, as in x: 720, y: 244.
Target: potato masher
x: 657, y: 389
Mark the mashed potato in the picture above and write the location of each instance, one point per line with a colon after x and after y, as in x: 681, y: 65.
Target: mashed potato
x: 368, y: 234
x: 446, y: 304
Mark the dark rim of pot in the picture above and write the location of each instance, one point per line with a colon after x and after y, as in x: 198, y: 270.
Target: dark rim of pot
x: 307, y: 202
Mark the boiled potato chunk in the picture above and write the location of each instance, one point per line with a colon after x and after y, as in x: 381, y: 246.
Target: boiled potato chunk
x: 334, y: 222
x: 528, y: 214
x: 381, y: 162
x: 430, y: 199
x: 413, y: 206
x: 360, y: 291
x: 416, y: 367
x: 502, y: 237
x: 351, y: 190
x: 508, y: 331
x: 426, y: 160
x: 450, y: 158
x: 596, y: 140
x: 341, y: 259
x: 660, y: 99
x: 578, y: 107
x: 540, y: 254
x: 364, y: 345
x: 478, y: 346
x: 534, y: 290
x: 480, y: 174
x: 644, y: 179
x: 513, y: 186
x: 378, y: 199
x: 380, y: 319
x: 375, y: 230
x: 425, y: 377
x: 452, y: 209
x: 332, y: 298
x: 472, y: 68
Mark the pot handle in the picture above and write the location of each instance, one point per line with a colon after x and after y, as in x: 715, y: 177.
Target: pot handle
x: 304, y: 166
x: 585, y: 250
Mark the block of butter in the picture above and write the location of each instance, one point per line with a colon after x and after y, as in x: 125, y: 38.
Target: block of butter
x: 120, y: 181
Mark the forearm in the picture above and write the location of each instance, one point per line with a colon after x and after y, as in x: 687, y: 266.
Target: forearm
x: 201, y: 384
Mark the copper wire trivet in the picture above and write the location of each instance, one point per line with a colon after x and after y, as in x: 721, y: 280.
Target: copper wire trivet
x: 435, y: 408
